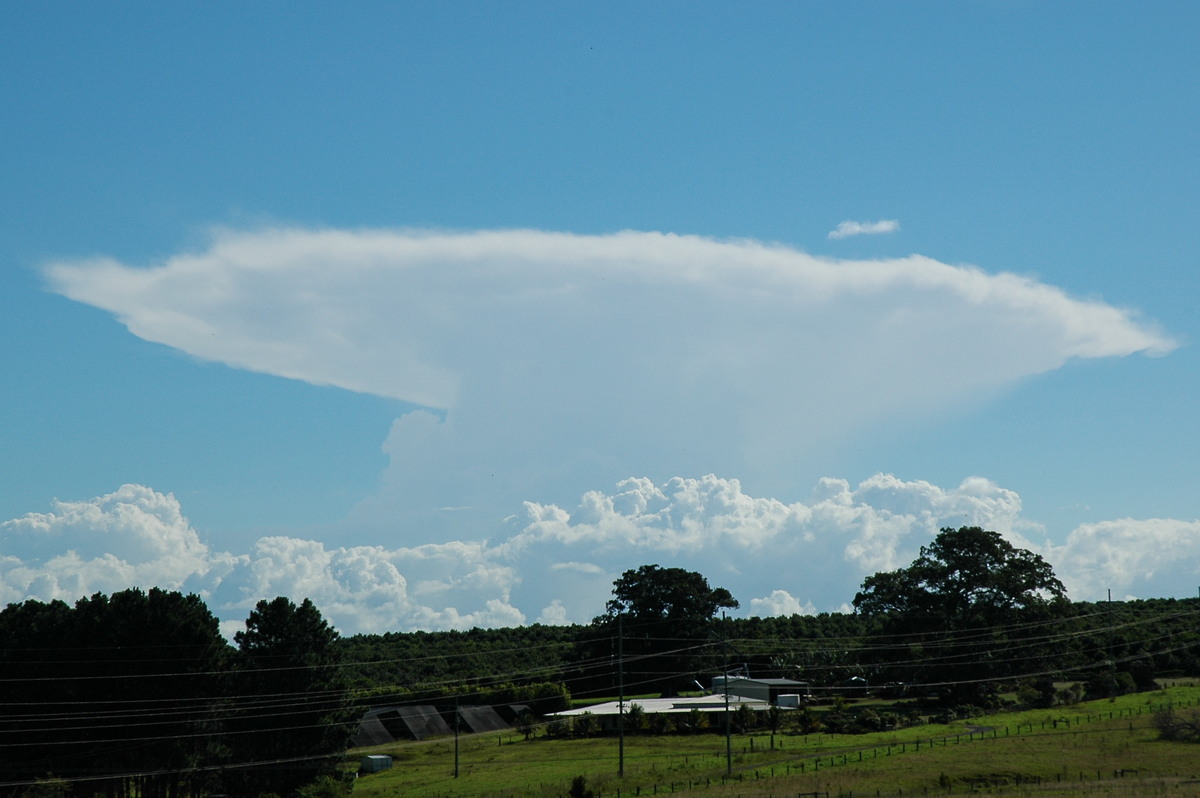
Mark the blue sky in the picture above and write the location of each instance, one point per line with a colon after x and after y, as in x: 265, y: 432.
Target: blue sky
x: 386, y: 304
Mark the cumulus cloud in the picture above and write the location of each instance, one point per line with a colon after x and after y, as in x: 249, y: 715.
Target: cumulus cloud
x: 553, y: 362
x: 849, y: 228
x: 133, y: 536
x: 780, y: 602
x: 1147, y: 557
x: 137, y: 537
x: 557, y: 565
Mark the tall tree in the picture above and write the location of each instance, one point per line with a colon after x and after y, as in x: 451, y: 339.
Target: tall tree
x: 964, y: 572
x: 653, y: 593
x: 293, y: 720
x: 959, y: 611
x: 664, y: 616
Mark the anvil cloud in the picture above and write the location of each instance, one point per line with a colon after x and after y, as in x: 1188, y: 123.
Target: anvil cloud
x: 582, y: 359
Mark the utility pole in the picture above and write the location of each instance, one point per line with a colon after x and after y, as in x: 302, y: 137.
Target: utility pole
x: 456, y: 717
x: 725, y: 681
x: 620, y: 697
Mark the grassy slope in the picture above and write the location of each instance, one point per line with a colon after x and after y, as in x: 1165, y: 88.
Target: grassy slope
x: 1078, y: 755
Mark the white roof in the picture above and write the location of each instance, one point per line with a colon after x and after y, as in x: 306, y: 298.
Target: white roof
x: 663, y: 706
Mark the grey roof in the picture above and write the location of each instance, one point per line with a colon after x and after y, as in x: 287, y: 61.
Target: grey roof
x: 387, y: 724
x: 482, y: 719
x: 768, y: 682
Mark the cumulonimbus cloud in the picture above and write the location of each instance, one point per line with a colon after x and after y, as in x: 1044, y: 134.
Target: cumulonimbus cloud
x: 547, y: 356
x: 849, y: 228
x: 557, y: 565
x: 420, y: 316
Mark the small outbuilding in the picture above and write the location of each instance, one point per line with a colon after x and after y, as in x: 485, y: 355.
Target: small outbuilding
x: 374, y: 763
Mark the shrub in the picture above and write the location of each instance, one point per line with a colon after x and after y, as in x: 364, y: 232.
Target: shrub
x: 585, y: 724
x: 1178, y: 726
x: 324, y: 787
x: 579, y: 788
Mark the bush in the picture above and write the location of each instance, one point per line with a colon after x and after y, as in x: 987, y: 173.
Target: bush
x: 585, y: 724
x: 579, y: 788
x: 324, y: 787
x: 808, y: 722
x: 47, y: 788
x: 1070, y: 695
x: 1143, y: 674
x: 1178, y: 726
x: 867, y: 720
x: 1038, y: 694
x: 635, y: 719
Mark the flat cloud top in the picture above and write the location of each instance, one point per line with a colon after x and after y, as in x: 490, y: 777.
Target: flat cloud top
x: 413, y: 315
x: 635, y: 352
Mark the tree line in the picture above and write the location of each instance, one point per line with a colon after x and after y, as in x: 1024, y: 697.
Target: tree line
x: 138, y: 694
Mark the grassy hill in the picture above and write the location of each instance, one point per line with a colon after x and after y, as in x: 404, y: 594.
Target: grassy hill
x: 1106, y: 747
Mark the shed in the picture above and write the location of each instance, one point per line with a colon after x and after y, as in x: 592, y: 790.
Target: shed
x: 374, y: 763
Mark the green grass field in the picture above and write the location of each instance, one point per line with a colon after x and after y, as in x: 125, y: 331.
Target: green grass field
x: 1096, y: 748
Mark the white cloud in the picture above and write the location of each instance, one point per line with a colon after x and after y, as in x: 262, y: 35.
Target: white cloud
x: 557, y: 565
x: 133, y: 536
x: 851, y: 228
x: 137, y: 537
x: 1150, y: 557
x: 554, y: 614
x: 780, y: 602
x: 552, y: 362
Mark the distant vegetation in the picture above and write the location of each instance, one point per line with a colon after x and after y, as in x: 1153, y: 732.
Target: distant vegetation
x: 973, y: 617
x: 1107, y: 648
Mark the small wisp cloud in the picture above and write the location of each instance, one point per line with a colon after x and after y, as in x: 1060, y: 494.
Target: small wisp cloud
x: 849, y: 228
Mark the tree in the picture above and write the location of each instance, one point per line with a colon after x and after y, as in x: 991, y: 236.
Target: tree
x: 526, y: 723
x: 664, y: 619
x: 635, y: 718
x: 965, y: 572
x: 774, y: 718
x: 955, y: 612
x: 653, y: 593
x: 294, y: 720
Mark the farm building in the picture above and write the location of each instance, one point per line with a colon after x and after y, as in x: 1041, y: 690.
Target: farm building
x: 607, y: 715
x: 767, y: 690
